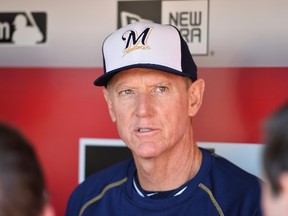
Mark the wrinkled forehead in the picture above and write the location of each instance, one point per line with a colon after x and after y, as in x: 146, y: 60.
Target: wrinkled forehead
x: 149, y: 76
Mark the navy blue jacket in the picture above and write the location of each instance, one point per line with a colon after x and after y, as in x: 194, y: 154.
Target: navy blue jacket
x: 219, y: 188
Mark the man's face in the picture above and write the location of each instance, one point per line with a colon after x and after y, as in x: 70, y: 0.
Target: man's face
x: 151, y: 110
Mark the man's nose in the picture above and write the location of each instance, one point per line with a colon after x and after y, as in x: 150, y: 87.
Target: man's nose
x: 145, y: 105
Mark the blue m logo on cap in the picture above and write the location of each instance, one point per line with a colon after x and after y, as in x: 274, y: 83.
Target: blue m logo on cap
x: 135, y: 42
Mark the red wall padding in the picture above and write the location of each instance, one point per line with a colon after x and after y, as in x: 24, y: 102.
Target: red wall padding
x: 54, y: 107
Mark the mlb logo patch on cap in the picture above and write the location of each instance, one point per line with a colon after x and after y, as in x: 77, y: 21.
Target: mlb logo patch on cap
x: 146, y: 45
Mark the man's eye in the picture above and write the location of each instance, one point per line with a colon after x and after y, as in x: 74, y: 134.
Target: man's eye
x: 126, y: 92
x: 161, y: 88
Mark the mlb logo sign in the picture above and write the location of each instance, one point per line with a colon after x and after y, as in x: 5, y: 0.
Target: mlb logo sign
x: 190, y: 17
x: 21, y: 28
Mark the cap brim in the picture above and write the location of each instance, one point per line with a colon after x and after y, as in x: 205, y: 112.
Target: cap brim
x: 105, y: 78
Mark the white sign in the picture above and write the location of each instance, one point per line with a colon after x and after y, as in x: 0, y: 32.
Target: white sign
x: 191, y: 18
x: 246, y: 156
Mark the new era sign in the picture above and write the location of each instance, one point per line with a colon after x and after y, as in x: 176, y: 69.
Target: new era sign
x: 190, y: 17
x: 23, y: 28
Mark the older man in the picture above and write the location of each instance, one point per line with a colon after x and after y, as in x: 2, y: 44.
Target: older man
x: 152, y: 92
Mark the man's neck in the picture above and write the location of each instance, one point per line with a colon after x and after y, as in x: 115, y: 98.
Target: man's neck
x: 170, y: 172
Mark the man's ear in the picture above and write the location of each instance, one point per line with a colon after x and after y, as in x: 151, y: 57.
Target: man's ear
x: 109, y: 104
x: 283, y: 181
x: 48, y: 210
x: 196, y: 92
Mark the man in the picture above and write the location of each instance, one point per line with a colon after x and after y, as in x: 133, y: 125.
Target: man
x: 152, y: 92
x: 275, y: 158
x: 22, y: 186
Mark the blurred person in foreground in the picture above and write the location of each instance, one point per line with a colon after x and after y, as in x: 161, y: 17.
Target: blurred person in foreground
x: 22, y: 185
x: 152, y: 92
x: 275, y: 159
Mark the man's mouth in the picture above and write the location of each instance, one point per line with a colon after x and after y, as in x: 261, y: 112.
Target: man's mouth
x: 144, y: 130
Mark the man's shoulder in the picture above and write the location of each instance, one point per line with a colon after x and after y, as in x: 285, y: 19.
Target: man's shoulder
x: 227, y: 173
x: 95, y: 183
x: 226, y: 167
x: 98, y: 183
x: 223, y: 171
x: 108, y: 175
x: 233, y: 186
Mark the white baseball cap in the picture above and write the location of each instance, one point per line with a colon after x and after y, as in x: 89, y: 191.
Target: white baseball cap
x: 146, y: 45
